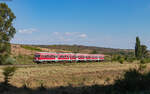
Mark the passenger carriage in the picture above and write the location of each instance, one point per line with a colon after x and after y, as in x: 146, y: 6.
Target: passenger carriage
x: 66, y: 57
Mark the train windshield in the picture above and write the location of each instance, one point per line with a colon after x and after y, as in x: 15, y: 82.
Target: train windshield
x: 37, y: 55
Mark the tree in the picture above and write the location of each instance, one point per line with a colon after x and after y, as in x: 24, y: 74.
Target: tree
x: 144, y: 52
x: 7, y: 31
x: 8, y: 72
x: 138, y: 48
x: 94, y: 52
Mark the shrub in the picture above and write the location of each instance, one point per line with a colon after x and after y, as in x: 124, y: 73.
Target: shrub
x: 24, y: 59
x: 133, y: 80
x: 142, y: 67
x: 121, y: 60
x: 130, y: 59
x: 94, y: 52
x: 115, y: 58
x: 145, y: 60
x: 9, y: 61
x: 107, y: 58
x: 8, y: 72
x: 31, y: 48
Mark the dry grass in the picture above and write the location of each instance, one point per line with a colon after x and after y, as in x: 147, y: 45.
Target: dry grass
x: 74, y: 74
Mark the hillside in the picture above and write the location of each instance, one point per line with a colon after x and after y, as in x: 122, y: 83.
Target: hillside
x: 86, y: 49
x: 31, y: 49
x: 19, y: 49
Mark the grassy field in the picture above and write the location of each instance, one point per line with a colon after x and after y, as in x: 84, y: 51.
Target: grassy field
x: 75, y: 74
x: 66, y: 78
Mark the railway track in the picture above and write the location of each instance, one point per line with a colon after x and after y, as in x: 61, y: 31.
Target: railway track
x: 44, y: 64
x: 25, y: 65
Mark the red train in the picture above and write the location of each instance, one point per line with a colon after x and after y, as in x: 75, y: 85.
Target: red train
x: 70, y: 57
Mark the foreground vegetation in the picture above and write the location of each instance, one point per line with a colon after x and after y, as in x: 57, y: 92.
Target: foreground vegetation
x: 77, y: 78
x: 76, y: 74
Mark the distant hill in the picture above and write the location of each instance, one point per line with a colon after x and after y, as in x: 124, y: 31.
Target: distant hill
x: 20, y: 49
x: 31, y: 49
x: 86, y: 49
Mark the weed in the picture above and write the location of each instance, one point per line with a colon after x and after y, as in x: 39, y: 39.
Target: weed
x: 8, y: 72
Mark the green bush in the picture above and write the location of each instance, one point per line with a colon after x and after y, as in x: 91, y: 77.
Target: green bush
x: 130, y: 59
x: 145, y: 60
x: 94, y: 52
x: 24, y: 59
x: 8, y: 72
x: 9, y: 61
x: 121, y: 60
x: 115, y: 58
x: 107, y: 58
x: 133, y: 80
x: 31, y: 48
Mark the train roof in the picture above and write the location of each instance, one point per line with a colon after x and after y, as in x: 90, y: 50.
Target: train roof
x: 66, y: 53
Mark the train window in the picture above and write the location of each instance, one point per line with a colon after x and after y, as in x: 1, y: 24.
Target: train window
x: 47, y: 56
x: 80, y: 56
x: 61, y: 56
x: 52, y: 56
x: 42, y: 56
x: 66, y: 56
x: 72, y: 56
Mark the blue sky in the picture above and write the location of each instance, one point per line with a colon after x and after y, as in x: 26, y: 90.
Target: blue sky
x: 103, y: 23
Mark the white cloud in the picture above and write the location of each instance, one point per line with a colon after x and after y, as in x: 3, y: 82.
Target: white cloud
x: 52, y: 38
x: 68, y: 33
x: 83, y: 36
x: 73, y: 34
x: 68, y: 37
x: 27, y: 31
x: 56, y: 33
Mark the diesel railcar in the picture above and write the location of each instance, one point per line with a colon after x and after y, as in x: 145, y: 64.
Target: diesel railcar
x: 41, y: 57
